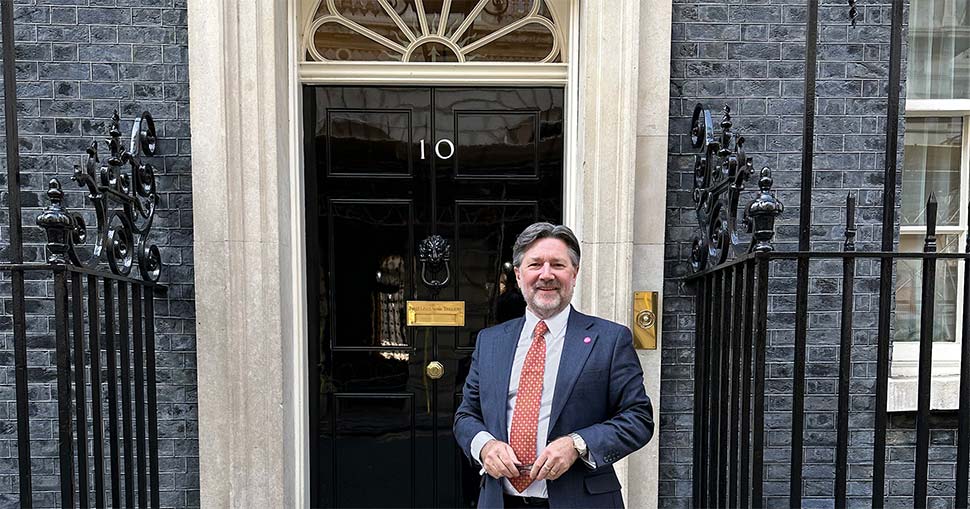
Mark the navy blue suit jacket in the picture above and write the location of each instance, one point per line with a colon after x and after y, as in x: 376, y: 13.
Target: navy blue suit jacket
x: 599, y: 394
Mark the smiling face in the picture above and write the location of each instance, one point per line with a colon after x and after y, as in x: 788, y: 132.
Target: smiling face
x: 547, y: 277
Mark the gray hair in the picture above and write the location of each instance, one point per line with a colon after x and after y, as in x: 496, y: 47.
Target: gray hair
x: 537, y: 231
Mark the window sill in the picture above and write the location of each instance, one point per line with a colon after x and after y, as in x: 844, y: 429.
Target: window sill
x: 903, y: 389
x: 944, y: 393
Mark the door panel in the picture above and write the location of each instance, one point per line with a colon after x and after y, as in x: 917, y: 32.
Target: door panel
x: 369, y: 143
x: 366, y: 313
x: 385, y: 168
x: 478, y: 132
x: 374, y: 448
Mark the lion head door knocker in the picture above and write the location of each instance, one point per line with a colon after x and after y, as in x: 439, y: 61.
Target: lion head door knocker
x: 434, y: 252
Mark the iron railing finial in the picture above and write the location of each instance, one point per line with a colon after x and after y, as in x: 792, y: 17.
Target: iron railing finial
x: 762, y: 213
x: 57, y: 223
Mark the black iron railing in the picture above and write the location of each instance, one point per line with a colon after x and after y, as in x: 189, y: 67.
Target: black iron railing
x: 733, y: 322
x: 91, y: 304
x: 95, y: 313
x: 98, y: 316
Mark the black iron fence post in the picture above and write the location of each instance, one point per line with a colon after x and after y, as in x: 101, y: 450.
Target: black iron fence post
x: 97, y: 420
x: 747, y: 335
x: 152, y: 396
x: 112, y: 372
x: 845, y: 356
x: 761, y: 335
x: 64, y: 410
x: 963, y: 427
x: 136, y: 321
x: 713, y: 362
x: 126, y: 425
x: 886, y: 264
x: 77, y: 318
x: 927, y: 305
x: 57, y: 224
x: 15, y: 252
x: 735, y: 398
x: 700, y: 353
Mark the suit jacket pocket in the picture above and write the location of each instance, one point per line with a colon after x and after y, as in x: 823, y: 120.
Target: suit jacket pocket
x: 602, y: 483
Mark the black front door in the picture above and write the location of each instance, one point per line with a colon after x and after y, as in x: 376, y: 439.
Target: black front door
x: 387, y: 168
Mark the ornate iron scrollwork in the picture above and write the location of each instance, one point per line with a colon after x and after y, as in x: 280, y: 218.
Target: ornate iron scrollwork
x: 124, y: 194
x: 434, y: 253
x: 721, y: 169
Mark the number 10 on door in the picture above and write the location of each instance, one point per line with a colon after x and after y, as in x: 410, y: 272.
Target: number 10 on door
x: 450, y: 147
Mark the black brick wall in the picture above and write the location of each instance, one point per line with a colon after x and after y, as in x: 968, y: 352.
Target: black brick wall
x: 77, y: 62
x: 750, y: 55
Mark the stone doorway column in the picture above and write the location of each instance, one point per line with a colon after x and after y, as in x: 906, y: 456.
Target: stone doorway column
x: 251, y: 449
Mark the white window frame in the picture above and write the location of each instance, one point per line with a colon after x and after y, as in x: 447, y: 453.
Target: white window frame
x: 904, y: 367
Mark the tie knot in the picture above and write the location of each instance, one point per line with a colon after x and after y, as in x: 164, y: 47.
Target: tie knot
x: 541, y: 329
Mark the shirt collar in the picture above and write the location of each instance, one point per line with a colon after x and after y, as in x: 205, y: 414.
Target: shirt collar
x: 556, y: 323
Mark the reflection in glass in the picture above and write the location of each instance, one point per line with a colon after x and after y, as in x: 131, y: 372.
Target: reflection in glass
x: 370, y: 280
x: 390, y: 306
x: 939, y: 50
x: 336, y: 42
x: 487, y: 280
x: 909, y: 290
x: 510, y: 302
x: 931, y: 165
x: 481, y: 133
x: 369, y: 371
x: 368, y: 142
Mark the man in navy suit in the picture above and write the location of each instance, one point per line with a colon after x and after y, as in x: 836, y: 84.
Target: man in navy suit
x: 551, y: 388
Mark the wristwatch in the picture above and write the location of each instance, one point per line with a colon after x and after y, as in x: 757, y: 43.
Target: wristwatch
x: 579, y: 444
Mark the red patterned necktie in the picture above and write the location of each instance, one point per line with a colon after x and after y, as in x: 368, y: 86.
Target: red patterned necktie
x: 525, y: 417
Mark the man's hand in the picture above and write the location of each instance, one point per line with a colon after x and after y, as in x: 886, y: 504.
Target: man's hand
x: 499, y: 460
x: 555, y: 460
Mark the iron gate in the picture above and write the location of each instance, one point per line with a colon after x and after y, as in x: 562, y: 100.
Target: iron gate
x: 96, y: 314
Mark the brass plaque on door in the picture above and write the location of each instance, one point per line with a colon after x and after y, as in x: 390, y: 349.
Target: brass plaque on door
x: 645, y: 320
x: 436, y: 313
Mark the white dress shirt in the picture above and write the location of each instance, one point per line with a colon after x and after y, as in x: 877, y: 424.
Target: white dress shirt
x: 554, y: 341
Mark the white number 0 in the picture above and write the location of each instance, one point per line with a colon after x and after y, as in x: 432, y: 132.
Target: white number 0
x: 437, y: 149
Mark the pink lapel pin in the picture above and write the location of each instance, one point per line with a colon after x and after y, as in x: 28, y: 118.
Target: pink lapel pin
x: 587, y: 339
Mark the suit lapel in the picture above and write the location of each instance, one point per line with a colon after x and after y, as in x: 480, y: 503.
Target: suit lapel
x: 504, y: 356
x: 575, y: 351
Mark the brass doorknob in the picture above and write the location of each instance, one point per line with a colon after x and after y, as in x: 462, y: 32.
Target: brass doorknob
x: 435, y: 370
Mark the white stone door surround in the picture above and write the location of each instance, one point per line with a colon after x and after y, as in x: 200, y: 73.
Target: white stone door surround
x: 247, y: 202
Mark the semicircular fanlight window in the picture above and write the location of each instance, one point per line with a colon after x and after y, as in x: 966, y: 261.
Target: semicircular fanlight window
x: 433, y: 31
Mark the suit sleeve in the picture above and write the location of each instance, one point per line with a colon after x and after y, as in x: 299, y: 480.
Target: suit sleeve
x: 468, y: 418
x: 631, y: 426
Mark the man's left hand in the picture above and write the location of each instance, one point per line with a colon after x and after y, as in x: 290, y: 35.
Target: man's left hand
x: 555, y: 460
